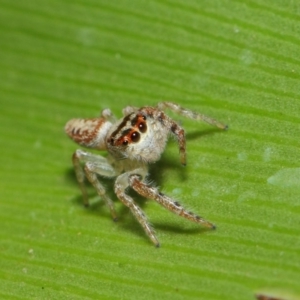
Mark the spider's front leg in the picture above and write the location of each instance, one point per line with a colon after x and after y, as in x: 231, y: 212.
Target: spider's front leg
x: 178, y: 131
x: 94, y: 164
x: 122, y: 183
x: 191, y: 114
x: 152, y: 193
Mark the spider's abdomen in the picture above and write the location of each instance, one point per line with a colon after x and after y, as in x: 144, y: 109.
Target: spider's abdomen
x: 90, y: 133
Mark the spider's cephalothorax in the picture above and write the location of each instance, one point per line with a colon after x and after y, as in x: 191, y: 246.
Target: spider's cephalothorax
x: 139, y: 138
x: 141, y: 135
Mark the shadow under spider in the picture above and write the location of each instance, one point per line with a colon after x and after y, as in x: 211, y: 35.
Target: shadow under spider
x: 198, y: 134
x: 182, y: 230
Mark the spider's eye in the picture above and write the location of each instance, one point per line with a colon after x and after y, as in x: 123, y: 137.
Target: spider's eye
x: 111, y: 140
x: 135, y: 136
x: 125, y: 143
x: 144, y: 118
x: 143, y: 127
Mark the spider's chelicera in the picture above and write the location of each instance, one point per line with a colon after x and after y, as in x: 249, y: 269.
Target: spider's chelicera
x: 133, y: 142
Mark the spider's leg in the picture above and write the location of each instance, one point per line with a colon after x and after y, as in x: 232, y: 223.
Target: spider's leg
x: 94, y: 164
x: 108, y: 115
x: 128, y: 110
x: 179, y: 134
x: 167, y: 202
x: 122, y: 183
x: 177, y: 130
x: 190, y: 114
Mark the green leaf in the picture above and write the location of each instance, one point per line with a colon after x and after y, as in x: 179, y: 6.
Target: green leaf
x: 236, y: 61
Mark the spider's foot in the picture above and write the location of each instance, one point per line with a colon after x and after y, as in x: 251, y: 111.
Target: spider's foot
x: 210, y: 225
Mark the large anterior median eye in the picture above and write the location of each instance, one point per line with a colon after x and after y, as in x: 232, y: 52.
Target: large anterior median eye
x: 135, y: 136
x: 143, y: 127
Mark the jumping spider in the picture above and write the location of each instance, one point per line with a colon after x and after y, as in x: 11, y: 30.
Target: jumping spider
x: 133, y: 142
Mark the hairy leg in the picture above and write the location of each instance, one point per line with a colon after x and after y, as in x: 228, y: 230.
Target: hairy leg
x: 190, y: 114
x: 94, y: 164
x: 122, y: 183
x: 167, y: 202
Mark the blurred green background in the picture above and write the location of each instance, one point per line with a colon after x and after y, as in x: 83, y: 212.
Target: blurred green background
x: 234, y: 60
